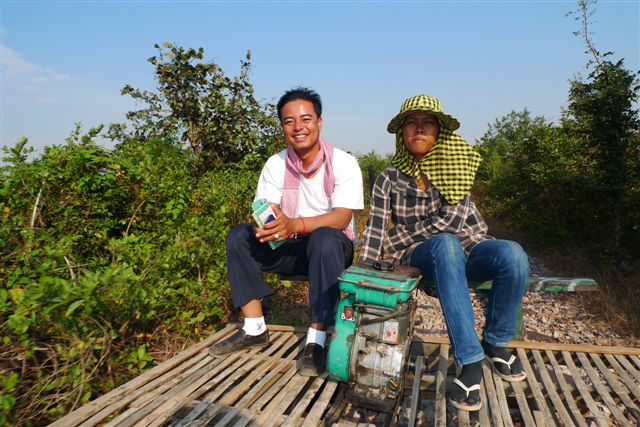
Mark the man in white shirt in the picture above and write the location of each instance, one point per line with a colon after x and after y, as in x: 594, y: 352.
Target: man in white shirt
x: 313, y: 189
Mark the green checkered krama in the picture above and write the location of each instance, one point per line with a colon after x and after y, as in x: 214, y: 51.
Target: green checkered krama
x: 452, y: 163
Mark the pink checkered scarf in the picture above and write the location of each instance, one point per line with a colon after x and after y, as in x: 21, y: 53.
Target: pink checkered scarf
x: 292, y: 173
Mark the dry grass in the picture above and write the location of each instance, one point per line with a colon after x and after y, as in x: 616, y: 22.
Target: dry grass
x: 615, y: 303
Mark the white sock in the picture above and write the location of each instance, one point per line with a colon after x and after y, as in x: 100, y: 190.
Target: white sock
x: 316, y: 336
x: 254, y: 325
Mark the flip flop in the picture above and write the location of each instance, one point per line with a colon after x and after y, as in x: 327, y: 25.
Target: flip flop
x: 504, y: 369
x: 464, y: 405
x: 509, y: 370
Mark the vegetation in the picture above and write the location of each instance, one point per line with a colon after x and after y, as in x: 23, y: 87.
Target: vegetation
x: 574, y: 188
x: 217, y: 117
x: 105, y: 254
x: 579, y: 179
x: 371, y: 164
x: 102, y: 253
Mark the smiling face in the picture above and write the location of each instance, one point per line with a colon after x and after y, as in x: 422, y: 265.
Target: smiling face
x: 420, y: 131
x: 301, y: 126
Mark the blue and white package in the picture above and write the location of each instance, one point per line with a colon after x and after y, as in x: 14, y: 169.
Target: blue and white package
x: 263, y: 214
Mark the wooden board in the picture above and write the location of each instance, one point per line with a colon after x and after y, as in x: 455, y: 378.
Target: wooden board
x: 565, y: 385
x: 550, y: 284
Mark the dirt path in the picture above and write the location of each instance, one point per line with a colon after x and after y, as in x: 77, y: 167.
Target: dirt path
x: 571, y: 318
x: 562, y: 317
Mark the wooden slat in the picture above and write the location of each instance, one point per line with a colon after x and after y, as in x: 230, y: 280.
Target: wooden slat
x: 282, y: 328
x: 583, y: 389
x: 427, y: 341
x: 339, y: 404
x: 221, y: 378
x: 236, y: 418
x: 147, y: 402
x: 81, y: 414
x: 567, y: 390
x: 463, y: 418
x: 196, y: 410
x: 275, y: 378
x: 492, y: 395
x: 415, y: 391
x: 502, y: 401
x: 263, y: 394
x: 617, y: 387
x: 483, y: 414
x: 250, y: 363
x: 157, y: 393
x: 539, y: 418
x: 550, y: 388
x: 624, y: 376
x: 230, y: 397
x: 150, y: 401
x: 280, y: 397
x: 203, y: 412
x: 156, y: 414
x: 549, y: 284
x: 282, y: 365
x: 152, y: 388
x: 283, y: 383
x: 319, y: 407
x: 296, y: 413
x: 523, y: 405
x: 250, y: 368
x: 261, y: 387
x: 535, y: 388
x: 281, y: 400
x: 629, y: 367
x: 601, y: 389
x: 441, y: 386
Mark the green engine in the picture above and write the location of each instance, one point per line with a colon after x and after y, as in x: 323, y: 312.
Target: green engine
x: 373, y: 332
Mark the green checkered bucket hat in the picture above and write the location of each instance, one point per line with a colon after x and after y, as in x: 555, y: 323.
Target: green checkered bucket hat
x: 425, y: 103
x: 451, y: 164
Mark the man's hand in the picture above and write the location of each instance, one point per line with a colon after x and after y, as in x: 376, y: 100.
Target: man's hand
x: 280, y: 228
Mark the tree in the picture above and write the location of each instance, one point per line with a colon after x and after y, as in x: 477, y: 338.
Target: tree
x: 217, y: 117
x: 503, y: 143
x: 602, y: 118
x: 525, y: 176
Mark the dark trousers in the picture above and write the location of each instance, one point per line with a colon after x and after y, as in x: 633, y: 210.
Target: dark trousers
x: 321, y: 255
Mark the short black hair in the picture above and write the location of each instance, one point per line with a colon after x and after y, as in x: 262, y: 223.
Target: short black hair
x: 303, y: 93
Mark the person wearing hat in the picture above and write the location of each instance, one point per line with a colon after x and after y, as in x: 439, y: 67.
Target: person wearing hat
x: 422, y: 216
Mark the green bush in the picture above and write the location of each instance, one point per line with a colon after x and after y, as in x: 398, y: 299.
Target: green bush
x: 101, y: 249
x: 371, y: 164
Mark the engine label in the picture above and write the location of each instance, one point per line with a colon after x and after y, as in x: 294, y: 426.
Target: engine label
x: 390, y: 332
x: 347, y: 313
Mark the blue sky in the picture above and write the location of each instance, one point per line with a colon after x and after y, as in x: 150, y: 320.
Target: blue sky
x: 65, y: 61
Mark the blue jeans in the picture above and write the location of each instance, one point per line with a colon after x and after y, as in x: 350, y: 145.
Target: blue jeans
x: 441, y: 260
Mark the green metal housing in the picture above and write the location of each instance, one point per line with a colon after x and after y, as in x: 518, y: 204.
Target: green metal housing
x: 340, y: 348
x: 371, y: 286
x: 364, y: 284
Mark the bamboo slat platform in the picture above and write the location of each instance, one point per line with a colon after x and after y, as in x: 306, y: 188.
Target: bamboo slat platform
x: 567, y: 385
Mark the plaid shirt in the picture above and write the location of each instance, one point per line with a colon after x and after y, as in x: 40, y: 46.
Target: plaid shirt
x: 415, y: 216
